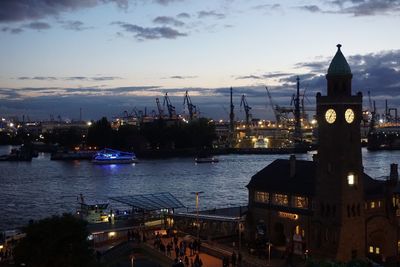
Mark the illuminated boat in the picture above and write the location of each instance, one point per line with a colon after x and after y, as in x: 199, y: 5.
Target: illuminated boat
x: 110, y: 156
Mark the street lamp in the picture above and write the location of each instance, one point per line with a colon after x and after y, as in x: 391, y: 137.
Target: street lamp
x: 269, y: 253
x: 197, y: 212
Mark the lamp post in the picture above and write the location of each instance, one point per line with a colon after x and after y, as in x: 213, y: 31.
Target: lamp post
x: 269, y: 253
x: 197, y: 212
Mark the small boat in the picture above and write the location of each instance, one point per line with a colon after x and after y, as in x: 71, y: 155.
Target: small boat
x: 110, y: 156
x: 92, y: 211
x: 206, y: 160
x: 24, y: 153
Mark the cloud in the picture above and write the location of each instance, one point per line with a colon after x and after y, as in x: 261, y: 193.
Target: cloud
x: 165, y: 2
x: 39, y: 78
x: 12, y: 30
x: 213, y: 14
x: 19, y: 10
x: 271, y: 75
x: 183, y: 15
x: 164, y: 20
x: 311, y: 8
x: 37, y: 26
x: 357, y: 7
x: 267, y: 6
x: 74, y: 25
x: 73, y: 78
x: 181, y: 77
x: 248, y: 77
x: 378, y: 73
x: 150, y: 33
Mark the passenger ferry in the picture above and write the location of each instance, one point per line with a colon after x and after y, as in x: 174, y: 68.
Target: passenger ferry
x: 110, y: 156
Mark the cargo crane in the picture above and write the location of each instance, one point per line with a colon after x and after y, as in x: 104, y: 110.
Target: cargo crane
x: 298, y: 137
x: 170, y: 107
x: 372, y: 110
x: 273, y: 106
x: 231, y: 122
x: 191, y: 108
x: 247, y: 108
x: 160, y: 110
x: 279, y: 112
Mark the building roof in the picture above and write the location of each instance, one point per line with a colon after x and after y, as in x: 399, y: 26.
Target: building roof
x: 276, y: 177
x: 373, y: 188
x: 339, y: 65
x: 150, y: 202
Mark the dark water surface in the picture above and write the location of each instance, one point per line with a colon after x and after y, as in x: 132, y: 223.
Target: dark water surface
x: 33, y: 190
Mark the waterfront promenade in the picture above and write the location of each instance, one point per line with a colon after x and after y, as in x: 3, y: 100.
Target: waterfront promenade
x: 149, y: 254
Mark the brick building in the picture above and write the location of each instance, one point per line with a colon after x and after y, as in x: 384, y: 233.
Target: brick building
x: 328, y: 206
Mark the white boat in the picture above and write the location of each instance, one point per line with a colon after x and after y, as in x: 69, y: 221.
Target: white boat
x: 110, y: 156
x: 93, y: 211
x: 206, y: 160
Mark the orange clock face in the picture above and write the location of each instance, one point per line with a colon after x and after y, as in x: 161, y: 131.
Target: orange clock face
x: 349, y: 115
x: 330, y: 115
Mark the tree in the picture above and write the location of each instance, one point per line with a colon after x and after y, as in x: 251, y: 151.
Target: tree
x: 100, y: 133
x: 56, y: 241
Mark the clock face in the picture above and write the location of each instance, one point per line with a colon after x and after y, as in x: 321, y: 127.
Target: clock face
x: 330, y: 115
x: 349, y: 115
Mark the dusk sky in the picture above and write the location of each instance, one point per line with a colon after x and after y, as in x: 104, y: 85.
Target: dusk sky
x: 107, y: 56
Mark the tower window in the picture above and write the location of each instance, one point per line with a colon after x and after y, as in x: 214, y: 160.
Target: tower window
x: 351, y: 179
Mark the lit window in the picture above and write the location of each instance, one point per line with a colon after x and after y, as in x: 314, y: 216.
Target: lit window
x: 262, y: 197
x: 351, y: 180
x: 300, y: 202
x: 281, y: 199
x: 377, y: 250
x: 371, y: 249
x: 372, y: 204
x: 297, y: 231
x: 379, y: 204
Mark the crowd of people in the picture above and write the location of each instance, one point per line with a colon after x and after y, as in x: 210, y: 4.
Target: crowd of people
x: 184, y: 252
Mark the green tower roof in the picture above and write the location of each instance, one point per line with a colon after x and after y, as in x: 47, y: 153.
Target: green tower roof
x: 339, y: 65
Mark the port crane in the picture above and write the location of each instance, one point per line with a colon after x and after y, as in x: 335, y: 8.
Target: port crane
x: 191, y: 108
x: 247, y: 108
x: 160, y: 109
x: 372, y: 110
x: 279, y: 112
x: 170, y: 107
x: 297, y: 119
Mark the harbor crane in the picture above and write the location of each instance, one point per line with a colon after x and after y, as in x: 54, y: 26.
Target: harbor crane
x: 191, y: 108
x: 160, y: 109
x: 279, y: 112
x: 247, y: 108
x: 297, y: 116
x: 170, y: 107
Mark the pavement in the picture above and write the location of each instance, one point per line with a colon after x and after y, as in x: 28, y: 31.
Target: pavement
x: 211, y: 254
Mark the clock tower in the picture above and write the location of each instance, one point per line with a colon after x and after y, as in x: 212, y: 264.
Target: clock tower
x: 338, y: 221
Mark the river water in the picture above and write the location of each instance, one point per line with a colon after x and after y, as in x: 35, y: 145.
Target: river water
x: 33, y: 190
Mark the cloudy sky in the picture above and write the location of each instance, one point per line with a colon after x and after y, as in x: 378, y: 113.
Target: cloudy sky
x: 107, y: 56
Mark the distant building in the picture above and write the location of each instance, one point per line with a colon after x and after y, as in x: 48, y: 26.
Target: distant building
x: 328, y: 207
